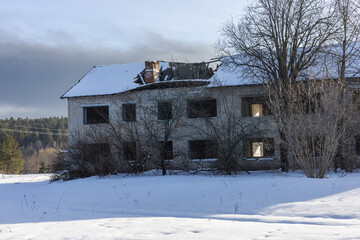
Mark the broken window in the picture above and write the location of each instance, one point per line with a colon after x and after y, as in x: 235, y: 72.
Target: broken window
x: 203, y: 149
x: 129, y: 112
x: 166, y: 150
x: 259, y: 147
x: 129, y: 149
x: 202, y: 108
x: 255, y: 106
x: 164, y: 110
x: 96, y: 114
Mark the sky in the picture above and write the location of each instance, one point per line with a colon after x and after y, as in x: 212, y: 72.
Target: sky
x: 47, y: 46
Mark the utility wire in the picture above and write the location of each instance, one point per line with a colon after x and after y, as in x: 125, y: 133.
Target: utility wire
x: 51, y: 129
x: 33, y: 132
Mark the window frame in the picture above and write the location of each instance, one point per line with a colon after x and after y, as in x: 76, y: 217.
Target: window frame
x: 248, y: 147
x: 169, y: 154
x: 96, y: 151
x: 310, y: 105
x: 191, y: 111
x: 129, y: 151
x: 162, y: 113
x: 126, y: 118
x: 213, y: 154
x: 357, y: 144
x: 247, y: 103
x: 85, y: 113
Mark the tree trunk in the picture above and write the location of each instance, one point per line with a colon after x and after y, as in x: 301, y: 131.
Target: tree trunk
x: 163, y: 167
x: 283, y: 153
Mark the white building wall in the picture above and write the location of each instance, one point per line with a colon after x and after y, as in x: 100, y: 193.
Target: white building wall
x: 147, y: 99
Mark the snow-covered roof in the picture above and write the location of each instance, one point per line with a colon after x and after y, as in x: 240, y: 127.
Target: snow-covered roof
x: 112, y: 79
x: 230, y: 75
x: 108, y: 79
x: 329, y: 63
x: 327, y: 66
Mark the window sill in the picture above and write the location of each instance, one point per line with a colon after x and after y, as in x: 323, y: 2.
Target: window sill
x: 165, y: 120
x: 201, y: 117
x: 259, y: 159
x: 204, y: 160
x: 95, y: 123
x: 258, y: 116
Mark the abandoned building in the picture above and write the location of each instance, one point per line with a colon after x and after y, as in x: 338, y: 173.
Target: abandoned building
x: 114, y: 109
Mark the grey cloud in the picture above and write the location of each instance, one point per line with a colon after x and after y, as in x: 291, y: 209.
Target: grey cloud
x: 11, y: 110
x: 35, y: 75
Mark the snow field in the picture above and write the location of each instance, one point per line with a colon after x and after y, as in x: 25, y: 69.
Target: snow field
x: 262, y: 205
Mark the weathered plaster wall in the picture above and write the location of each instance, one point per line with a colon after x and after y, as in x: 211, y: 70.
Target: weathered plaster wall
x: 146, y: 101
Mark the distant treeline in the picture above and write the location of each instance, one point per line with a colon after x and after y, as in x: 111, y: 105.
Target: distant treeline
x: 49, y: 132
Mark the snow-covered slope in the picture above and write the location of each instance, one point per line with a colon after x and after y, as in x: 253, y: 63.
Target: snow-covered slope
x: 257, y: 206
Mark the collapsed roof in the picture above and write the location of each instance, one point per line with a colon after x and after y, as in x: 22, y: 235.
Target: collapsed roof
x: 113, y: 79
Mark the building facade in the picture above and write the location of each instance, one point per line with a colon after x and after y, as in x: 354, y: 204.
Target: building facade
x: 184, y: 115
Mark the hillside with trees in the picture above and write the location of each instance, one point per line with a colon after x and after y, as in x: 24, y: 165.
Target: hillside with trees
x: 38, y: 139
x: 10, y: 155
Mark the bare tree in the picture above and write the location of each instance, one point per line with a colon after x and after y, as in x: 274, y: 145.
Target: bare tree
x: 311, y: 123
x: 275, y: 42
x: 143, y: 137
x: 162, y: 121
x: 229, y: 130
x: 344, y: 57
x: 348, y: 17
x: 127, y: 141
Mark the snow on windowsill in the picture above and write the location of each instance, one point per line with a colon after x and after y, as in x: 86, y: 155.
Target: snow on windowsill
x: 204, y: 160
x: 259, y: 159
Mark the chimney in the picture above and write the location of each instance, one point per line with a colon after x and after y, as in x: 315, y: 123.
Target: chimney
x: 152, y: 71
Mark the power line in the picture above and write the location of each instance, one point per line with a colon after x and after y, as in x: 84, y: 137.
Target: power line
x: 51, y: 129
x: 33, y: 132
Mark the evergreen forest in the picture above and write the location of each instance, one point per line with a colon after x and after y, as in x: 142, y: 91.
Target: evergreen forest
x: 39, y: 140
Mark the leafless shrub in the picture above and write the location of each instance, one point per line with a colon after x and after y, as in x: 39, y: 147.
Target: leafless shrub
x: 276, y: 41
x: 86, y: 158
x: 314, y: 119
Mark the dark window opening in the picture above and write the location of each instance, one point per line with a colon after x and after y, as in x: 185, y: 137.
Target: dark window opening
x: 255, y: 106
x: 259, y: 147
x: 356, y: 98
x: 166, y: 150
x: 203, y: 149
x: 311, y: 104
x: 129, y: 112
x: 94, y: 115
x: 129, y: 149
x: 202, y: 108
x: 96, y: 151
x: 164, y: 110
x: 357, y: 144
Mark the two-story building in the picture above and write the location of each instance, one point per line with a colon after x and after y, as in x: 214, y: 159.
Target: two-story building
x: 193, y: 114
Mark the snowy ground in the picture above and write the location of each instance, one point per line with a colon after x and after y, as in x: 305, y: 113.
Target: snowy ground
x: 262, y: 205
